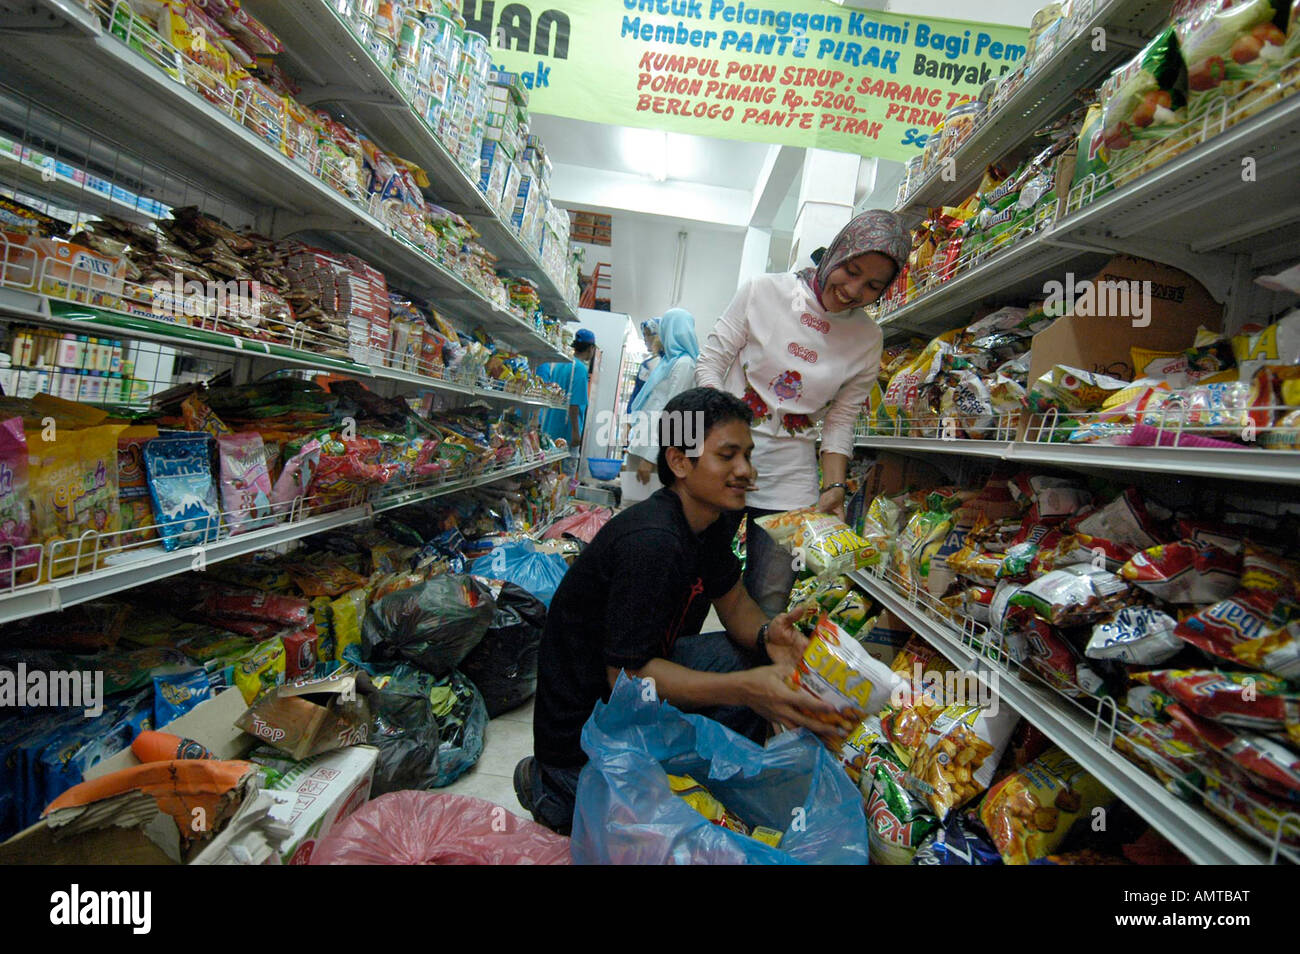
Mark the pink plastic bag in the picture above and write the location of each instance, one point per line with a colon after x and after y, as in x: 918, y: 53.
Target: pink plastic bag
x: 584, y: 524
x: 431, y: 828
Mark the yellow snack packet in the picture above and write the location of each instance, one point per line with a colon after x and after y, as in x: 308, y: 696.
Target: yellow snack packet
x: 702, y: 800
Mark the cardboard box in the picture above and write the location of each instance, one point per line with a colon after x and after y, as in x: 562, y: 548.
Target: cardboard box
x: 1100, y: 342
x: 323, y: 789
x: 310, y: 716
x: 895, y: 473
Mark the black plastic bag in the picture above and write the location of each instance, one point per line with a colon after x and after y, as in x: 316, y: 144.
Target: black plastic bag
x: 432, y: 625
x: 405, y: 731
x: 504, y: 664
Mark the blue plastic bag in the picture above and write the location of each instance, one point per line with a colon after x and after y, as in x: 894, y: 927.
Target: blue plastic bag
x: 523, y: 565
x: 626, y: 814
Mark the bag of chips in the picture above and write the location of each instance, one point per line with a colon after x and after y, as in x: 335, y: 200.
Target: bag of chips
x: 830, y: 546
x: 1136, y: 635
x: 1270, y: 765
x: 1076, y: 594
x: 183, y: 491
x: 133, y: 485
x: 296, y: 477
x: 836, y: 669
x: 956, y: 759
x: 897, y: 821
x: 702, y: 800
x: 1252, y: 628
x: 1249, y: 700
x: 175, y: 694
x: 1029, y: 812
x: 957, y: 842
x: 260, y: 670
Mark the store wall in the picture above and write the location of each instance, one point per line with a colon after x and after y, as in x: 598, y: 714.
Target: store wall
x: 643, y: 255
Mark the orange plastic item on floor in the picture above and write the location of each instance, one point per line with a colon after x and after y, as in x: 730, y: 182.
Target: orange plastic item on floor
x: 192, y: 791
x: 431, y: 828
x: 150, y: 746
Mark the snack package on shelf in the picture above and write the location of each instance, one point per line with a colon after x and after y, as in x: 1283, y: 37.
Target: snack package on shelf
x: 956, y: 759
x: 1231, y: 52
x: 1030, y: 811
x: 836, y: 668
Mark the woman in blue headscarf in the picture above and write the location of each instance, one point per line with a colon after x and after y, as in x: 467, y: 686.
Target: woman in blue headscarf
x: 674, y: 373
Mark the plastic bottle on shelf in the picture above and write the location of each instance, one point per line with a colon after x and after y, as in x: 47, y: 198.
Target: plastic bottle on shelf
x: 68, y: 351
x: 80, y: 359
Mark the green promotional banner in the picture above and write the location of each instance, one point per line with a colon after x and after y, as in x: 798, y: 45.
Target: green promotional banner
x: 798, y: 72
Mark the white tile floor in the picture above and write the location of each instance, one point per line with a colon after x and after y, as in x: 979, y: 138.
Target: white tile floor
x: 510, y: 738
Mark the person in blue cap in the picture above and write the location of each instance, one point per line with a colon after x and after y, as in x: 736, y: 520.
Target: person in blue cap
x: 650, y: 334
x: 567, y: 425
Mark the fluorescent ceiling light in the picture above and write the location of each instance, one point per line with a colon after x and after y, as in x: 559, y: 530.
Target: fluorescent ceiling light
x: 645, y: 151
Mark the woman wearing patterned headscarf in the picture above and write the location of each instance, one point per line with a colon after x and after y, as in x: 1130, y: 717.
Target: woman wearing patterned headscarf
x: 797, y: 350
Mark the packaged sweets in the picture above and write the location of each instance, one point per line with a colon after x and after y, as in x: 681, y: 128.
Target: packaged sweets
x: 73, y: 482
x: 1249, y: 700
x: 245, y: 483
x: 768, y: 836
x: 837, y: 669
x: 133, y: 485
x: 956, y: 759
x: 175, y: 694
x: 199, y: 417
x: 183, y: 491
x: 1029, y: 812
x: 260, y: 670
x: 296, y: 476
x: 325, y: 575
x: 300, y: 653
x: 1137, y: 635
x: 15, y: 505
x: 268, y: 607
x: 702, y: 800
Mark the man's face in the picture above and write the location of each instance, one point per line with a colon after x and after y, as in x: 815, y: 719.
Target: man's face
x: 722, y: 473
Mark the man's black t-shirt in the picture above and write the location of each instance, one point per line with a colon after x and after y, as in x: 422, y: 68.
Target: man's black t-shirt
x: 644, y: 581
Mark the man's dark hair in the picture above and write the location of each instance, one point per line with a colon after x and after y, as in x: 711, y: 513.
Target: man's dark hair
x: 714, y: 407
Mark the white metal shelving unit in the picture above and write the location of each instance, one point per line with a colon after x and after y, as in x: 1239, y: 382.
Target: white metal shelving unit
x: 1050, y: 89
x: 1088, y: 739
x: 1223, y: 210
x: 16, y: 305
x: 320, y: 45
x: 151, y: 113
x: 140, y: 565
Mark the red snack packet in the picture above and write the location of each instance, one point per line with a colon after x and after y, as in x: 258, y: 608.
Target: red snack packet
x: 1271, y: 765
x: 1249, y: 700
x: 268, y: 607
x: 300, y: 653
x: 1251, y: 628
x: 1184, y: 572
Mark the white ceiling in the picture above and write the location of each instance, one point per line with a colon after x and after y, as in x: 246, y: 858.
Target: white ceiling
x: 700, y: 159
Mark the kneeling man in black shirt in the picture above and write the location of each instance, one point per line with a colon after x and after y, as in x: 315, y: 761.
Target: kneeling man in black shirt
x: 635, y: 600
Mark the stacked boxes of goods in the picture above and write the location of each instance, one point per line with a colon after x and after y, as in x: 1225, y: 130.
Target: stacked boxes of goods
x: 503, y: 140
